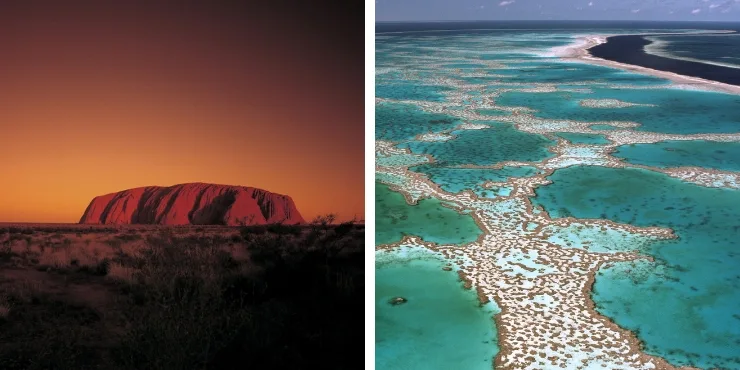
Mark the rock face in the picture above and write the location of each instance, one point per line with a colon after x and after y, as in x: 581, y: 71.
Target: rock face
x: 194, y: 204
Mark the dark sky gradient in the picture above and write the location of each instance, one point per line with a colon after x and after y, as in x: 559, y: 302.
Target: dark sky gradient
x: 96, y: 98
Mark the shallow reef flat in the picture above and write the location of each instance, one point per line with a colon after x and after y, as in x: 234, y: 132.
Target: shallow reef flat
x: 658, y: 110
x: 455, y: 179
x: 580, y: 138
x: 596, y: 208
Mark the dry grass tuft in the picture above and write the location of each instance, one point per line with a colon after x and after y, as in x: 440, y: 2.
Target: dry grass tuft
x: 117, y: 271
x: 4, y: 307
x: 97, y: 249
x: 25, y: 289
x: 239, y: 252
x: 55, y: 257
x: 134, y: 249
x: 19, y: 247
x: 35, y: 248
x: 69, y: 255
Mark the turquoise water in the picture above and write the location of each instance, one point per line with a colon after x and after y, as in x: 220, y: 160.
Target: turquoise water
x: 686, y: 305
x: 397, y: 122
x: 441, y: 326
x: 464, y: 65
x: 707, y: 154
x: 675, y: 111
x: 579, y: 138
x: 502, y: 142
x: 428, y: 219
x: 455, y: 180
x: 409, y: 91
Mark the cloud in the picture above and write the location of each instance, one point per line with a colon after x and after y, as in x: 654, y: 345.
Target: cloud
x: 724, y: 6
x: 590, y: 3
x: 635, y: 10
x: 505, y: 3
x: 695, y: 11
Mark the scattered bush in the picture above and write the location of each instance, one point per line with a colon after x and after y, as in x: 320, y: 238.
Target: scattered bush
x: 280, y: 298
x: 131, y: 236
x: 281, y: 229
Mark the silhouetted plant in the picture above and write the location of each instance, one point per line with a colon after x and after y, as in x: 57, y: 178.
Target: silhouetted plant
x: 344, y: 228
x: 282, y: 229
x: 324, y: 220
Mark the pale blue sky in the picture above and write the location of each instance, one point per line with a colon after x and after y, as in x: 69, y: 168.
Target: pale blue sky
x: 676, y: 10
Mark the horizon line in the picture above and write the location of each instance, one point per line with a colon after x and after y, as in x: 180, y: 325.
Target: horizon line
x: 554, y: 20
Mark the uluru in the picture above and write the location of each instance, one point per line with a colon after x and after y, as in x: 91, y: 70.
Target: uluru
x: 192, y: 204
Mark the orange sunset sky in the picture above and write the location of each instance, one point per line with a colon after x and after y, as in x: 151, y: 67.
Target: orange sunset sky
x: 97, y: 98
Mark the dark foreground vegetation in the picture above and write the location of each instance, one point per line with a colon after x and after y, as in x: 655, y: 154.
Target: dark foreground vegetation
x: 260, y: 297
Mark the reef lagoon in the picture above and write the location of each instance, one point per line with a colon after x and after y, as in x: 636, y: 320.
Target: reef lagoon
x: 441, y: 326
x: 699, y: 153
x: 583, y: 215
x: 429, y: 220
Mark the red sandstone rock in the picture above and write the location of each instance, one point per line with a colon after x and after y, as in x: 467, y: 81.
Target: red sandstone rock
x: 193, y: 203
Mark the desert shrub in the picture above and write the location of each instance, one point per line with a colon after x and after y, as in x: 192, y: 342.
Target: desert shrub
x: 115, y: 243
x: 129, y: 237
x: 324, y: 220
x: 99, y: 268
x: 43, y: 333
x: 248, y: 231
x: 119, y: 272
x: 199, y: 309
x: 4, y: 308
x: 275, y: 300
x: 14, y: 237
x: 344, y: 228
x: 282, y: 229
x: 312, y: 292
x: 6, y: 253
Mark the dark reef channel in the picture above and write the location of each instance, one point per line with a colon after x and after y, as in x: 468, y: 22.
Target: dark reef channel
x: 629, y: 49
